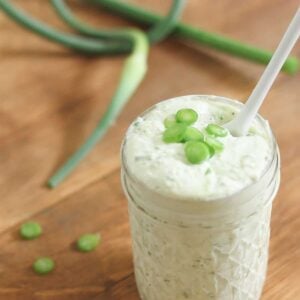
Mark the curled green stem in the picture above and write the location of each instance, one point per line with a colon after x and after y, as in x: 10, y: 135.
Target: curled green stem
x: 134, y: 70
x: 161, y: 30
x: 209, y: 39
x: 89, y: 46
x: 68, y: 17
x: 167, y: 24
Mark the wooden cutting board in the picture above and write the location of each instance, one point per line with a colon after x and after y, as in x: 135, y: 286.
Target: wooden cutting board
x: 50, y: 99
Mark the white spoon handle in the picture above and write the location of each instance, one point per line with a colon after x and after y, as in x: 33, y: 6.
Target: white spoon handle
x: 240, y: 125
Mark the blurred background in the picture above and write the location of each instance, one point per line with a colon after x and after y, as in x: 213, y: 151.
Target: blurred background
x: 51, y: 98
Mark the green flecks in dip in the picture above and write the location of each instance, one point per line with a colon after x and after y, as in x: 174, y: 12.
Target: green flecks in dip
x: 193, y: 134
x: 196, y: 152
x: 215, y: 145
x: 199, y: 146
x: 187, y: 116
x: 175, y: 133
x: 170, y: 121
x: 216, y: 130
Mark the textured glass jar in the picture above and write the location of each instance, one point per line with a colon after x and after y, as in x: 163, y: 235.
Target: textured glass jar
x: 201, y: 250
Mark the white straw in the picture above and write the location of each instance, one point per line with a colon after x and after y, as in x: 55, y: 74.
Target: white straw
x: 240, y: 124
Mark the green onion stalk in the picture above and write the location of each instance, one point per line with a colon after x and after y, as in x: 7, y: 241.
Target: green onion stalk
x: 161, y: 29
x: 210, y: 39
x: 134, y: 70
x: 86, y: 45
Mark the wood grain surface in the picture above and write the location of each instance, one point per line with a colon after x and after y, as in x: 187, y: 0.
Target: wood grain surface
x: 51, y: 98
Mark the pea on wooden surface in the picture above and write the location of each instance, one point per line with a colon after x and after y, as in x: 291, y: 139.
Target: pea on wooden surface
x: 43, y: 265
x: 88, y: 242
x: 30, y: 230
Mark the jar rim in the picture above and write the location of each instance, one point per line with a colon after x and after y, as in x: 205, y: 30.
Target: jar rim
x: 219, y: 200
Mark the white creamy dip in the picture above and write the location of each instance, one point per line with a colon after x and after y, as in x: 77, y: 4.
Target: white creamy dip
x: 163, y: 167
x: 199, y: 231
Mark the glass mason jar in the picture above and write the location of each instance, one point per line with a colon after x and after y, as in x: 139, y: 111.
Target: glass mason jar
x: 201, y: 250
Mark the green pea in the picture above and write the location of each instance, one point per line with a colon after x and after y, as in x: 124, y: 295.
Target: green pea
x: 193, y: 134
x: 170, y: 121
x: 216, y: 130
x: 187, y: 116
x: 196, y: 152
x: 43, y: 265
x: 30, y: 230
x: 174, y: 134
x: 88, y: 242
x: 214, y: 145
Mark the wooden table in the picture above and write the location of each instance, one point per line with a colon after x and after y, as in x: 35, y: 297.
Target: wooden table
x: 50, y: 99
